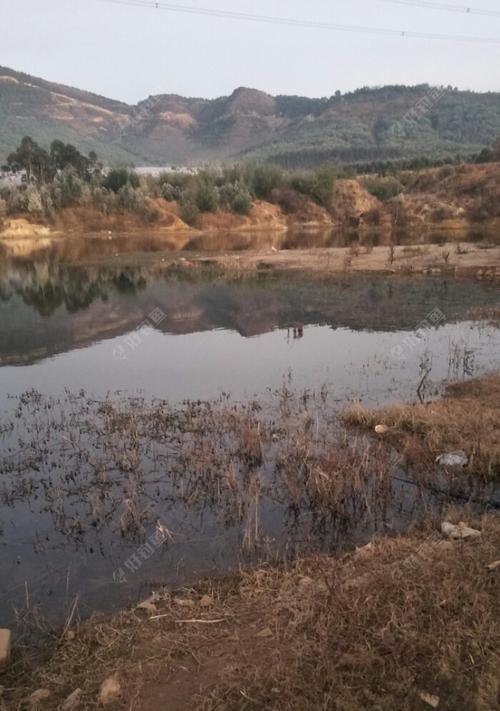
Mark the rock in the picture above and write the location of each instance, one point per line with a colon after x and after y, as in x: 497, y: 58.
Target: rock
x: 38, y: 696
x: 184, y: 602
x: 493, y: 566
x: 459, y: 531
x: 306, y: 581
x: 5, y: 645
x: 429, y: 699
x: 206, y: 601
x: 110, y: 690
x: 73, y: 701
x: 147, y: 605
x: 381, y: 429
x: 265, y: 633
x: 453, y: 459
x: 363, y: 551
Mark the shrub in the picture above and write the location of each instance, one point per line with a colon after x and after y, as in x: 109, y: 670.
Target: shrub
x: 170, y: 192
x: 131, y: 200
x: 190, y: 213
x: 262, y: 180
x: 207, y: 198
x: 317, y: 185
x: 382, y: 188
x: 67, y: 188
x: 242, y: 202
x: 117, y: 179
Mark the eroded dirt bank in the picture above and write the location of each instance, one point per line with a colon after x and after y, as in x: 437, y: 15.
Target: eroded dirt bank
x: 451, y: 200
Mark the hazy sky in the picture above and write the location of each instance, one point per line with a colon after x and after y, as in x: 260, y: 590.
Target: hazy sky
x: 128, y: 52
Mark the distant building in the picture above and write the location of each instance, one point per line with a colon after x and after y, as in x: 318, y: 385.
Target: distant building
x: 155, y: 171
x: 10, y: 178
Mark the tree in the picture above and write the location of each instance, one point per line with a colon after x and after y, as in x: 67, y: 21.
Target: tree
x: 117, y: 179
x: 29, y: 156
x: 63, y: 155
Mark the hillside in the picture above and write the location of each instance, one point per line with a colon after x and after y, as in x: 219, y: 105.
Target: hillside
x: 291, y: 131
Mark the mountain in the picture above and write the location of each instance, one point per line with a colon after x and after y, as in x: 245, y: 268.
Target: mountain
x: 391, y: 122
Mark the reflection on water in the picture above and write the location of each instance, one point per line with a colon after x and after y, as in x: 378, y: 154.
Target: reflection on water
x: 85, y: 474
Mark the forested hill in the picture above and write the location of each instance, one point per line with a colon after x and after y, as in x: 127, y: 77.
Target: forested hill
x: 387, y: 123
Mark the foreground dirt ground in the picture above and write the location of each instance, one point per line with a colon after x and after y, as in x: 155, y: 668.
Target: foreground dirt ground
x: 404, y: 623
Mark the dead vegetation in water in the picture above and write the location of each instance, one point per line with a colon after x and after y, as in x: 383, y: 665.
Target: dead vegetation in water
x: 466, y: 419
x: 391, y: 626
x: 111, y: 469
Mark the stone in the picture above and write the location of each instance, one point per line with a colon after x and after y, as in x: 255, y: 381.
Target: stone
x: 5, y: 645
x: 365, y: 550
x: 147, y: 605
x: 459, y: 531
x: 306, y: 581
x: 381, y: 429
x: 265, y: 633
x: 429, y: 699
x: 73, y: 701
x: 38, y: 696
x: 184, y: 602
x: 110, y: 690
x: 453, y: 459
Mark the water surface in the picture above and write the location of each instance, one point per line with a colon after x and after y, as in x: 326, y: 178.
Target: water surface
x: 105, y: 331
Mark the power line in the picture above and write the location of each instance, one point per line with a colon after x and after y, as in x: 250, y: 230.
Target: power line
x: 230, y: 15
x: 466, y: 9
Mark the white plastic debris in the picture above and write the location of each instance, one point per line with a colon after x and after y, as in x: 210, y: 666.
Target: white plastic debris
x: 381, y: 429
x: 453, y: 459
x: 459, y: 531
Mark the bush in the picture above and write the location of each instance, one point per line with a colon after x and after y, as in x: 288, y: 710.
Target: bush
x: 131, y: 200
x: 262, y: 180
x: 190, y: 213
x: 115, y: 180
x: 67, y: 188
x: 207, y: 198
x: 317, y: 185
x: 170, y: 192
x: 242, y: 202
x: 383, y: 188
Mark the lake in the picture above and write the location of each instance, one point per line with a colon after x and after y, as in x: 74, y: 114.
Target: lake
x: 132, y: 393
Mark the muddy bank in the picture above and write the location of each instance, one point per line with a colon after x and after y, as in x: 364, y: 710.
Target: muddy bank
x: 410, y: 622
x: 465, y: 422
x: 467, y: 259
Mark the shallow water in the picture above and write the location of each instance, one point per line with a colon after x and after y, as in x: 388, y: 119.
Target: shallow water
x: 142, y: 330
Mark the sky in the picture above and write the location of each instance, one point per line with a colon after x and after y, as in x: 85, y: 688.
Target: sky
x: 129, y: 53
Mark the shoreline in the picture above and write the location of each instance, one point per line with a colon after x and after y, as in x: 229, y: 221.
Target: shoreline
x: 269, y: 634
x: 258, y: 250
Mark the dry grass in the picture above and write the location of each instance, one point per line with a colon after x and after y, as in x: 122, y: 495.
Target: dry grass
x: 467, y: 418
x: 371, y: 630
